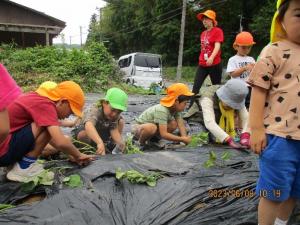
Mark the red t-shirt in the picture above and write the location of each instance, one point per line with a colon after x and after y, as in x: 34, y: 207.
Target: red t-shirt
x: 208, y: 40
x: 29, y: 108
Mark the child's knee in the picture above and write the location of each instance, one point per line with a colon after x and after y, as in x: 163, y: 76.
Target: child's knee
x: 148, y: 128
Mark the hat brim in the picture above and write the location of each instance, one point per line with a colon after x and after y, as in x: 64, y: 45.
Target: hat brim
x: 75, y: 110
x: 229, y: 102
x: 201, y: 15
x: 114, y: 106
x: 277, y: 32
x: 119, y: 107
x: 168, y: 101
x: 236, y: 44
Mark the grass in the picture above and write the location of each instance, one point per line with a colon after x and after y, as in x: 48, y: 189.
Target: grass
x: 188, y: 73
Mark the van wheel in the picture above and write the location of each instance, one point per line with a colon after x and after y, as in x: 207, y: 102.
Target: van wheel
x: 128, y: 81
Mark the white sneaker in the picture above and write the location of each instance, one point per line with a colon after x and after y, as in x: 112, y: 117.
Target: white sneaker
x: 23, y: 175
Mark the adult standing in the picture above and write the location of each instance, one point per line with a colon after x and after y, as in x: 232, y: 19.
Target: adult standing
x: 210, y: 54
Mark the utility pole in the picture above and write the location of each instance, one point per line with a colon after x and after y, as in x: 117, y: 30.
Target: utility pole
x: 70, y: 40
x: 241, y: 19
x: 180, y: 53
x: 80, y: 36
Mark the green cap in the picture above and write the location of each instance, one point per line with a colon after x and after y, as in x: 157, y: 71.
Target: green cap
x: 117, y: 98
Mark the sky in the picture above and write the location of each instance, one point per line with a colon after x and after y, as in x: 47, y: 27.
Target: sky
x: 75, y: 13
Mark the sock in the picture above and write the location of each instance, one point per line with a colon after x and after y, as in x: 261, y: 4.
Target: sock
x: 26, y: 162
x: 280, y: 222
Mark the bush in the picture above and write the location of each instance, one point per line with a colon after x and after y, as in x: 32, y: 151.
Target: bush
x: 92, y: 67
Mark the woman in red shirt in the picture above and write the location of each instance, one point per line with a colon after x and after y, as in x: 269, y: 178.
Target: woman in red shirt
x: 210, y: 54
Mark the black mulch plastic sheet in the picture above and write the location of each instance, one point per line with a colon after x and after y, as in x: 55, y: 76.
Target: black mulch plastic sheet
x: 187, y: 194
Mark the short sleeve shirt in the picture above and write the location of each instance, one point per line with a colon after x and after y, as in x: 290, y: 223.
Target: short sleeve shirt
x: 29, y: 108
x: 237, y: 62
x: 96, y: 116
x: 208, y: 40
x: 278, y: 71
x: 157, y: 114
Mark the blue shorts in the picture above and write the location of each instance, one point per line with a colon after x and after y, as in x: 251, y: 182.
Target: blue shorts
x: 279, y: 165
x: 22, y: 141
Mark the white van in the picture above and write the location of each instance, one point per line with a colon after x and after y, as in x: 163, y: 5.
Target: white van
x: 142, y: 69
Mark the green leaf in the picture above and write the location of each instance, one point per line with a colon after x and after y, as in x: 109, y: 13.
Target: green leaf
x: 28, y: 187
x: 226, y: 156
x: 209, y: 164
x: 119, y: 174
x: 212, y: 156
x: 5, y: 206
x: 199, y: 139
x: 136, y: 177
x: 74, y: 181
x: 151, y: 183
x: 66, y: 179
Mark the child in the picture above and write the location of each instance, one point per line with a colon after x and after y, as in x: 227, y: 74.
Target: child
x: 164, y: 118
x: 274, y: 117
x: 103, y: 124
x: 240, y: 65
x: 9, y: 91
x: 50, y: 149
x: 34, y: 122
x: 63, y: 123
x: 221, y: 103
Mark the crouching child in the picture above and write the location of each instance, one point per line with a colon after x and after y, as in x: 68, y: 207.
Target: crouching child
x: 34, y: 122
x: 103, y: 124
x: 161, y: 120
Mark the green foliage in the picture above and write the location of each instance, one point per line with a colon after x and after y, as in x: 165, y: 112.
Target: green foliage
x: 5, y: 206
x: 214, y: 161
x: 136, y: 177
x: 154, y: 26
x: 199, y: 139
x: 93, y: 68
x: 188, y: 73
x: 262, y: 22
x: 44, y: 178
x: 84, y: 147
x: 73, y: 181
x: 130, y: 147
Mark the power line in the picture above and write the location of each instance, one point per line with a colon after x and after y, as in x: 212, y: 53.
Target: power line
x: 128, y: 28
x: 118, y: 32
x: 111, y: 35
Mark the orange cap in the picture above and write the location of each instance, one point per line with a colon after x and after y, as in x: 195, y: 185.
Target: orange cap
x: 244, y: 39
x: 210, y: 14
x: 66, y: 90
x: 173, y: 92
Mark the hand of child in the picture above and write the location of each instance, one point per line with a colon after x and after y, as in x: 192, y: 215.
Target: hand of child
x: 100, y: 149
x: 121, y: 146
x: 209, y: 61
x: 258, y: 140
x: 186, y: 139
x: 234, y: 144
x: 84, y: 159
x: 250, y: 66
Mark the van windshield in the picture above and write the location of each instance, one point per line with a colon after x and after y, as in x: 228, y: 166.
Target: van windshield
x: 147, y: 61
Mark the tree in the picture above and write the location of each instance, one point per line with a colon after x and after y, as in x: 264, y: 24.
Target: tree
x: 154, y: 26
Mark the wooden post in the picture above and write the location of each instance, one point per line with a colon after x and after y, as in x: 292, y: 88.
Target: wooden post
x: 47, y: 38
